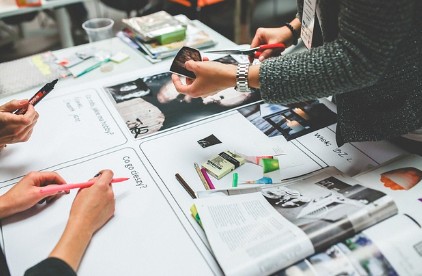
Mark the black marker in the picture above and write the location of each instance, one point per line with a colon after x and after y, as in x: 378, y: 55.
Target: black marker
x: 38, y: 96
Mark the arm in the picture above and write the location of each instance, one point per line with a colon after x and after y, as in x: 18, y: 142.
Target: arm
x: 212, y: 77
x: 369, y: 35
x: 16, y: 128
x: 91, y: 209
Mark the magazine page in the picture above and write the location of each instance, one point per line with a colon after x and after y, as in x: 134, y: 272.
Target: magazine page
x: 400, y: 178
x: 247, y: 235
x: 383, y: 249
x: 327, y: 206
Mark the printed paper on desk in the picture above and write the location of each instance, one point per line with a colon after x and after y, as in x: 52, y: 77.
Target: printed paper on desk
x: 142, y: 247
x: 260, y: 231
x: 327, y: 205
x: 79, y: 119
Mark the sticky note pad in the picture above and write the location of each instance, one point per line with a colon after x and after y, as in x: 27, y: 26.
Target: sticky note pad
x: 225, y: 162
x: 119, y: 57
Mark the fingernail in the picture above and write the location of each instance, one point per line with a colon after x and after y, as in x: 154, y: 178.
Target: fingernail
x: 21, y: 102
x: 98, y: 174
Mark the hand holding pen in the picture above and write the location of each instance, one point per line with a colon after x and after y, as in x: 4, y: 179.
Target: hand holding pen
x: 16, y: 128
x: 25, y: 194
x: 38, y: 96
x: 37, y: 187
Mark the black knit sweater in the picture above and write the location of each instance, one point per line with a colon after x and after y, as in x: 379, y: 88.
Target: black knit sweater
x: 370, y: 60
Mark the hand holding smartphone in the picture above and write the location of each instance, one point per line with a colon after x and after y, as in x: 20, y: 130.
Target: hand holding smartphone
x: 185, y: 54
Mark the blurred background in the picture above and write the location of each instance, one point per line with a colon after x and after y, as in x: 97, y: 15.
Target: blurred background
x: 35, y: 32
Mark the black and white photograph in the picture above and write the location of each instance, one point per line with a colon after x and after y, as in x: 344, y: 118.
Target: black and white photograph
x: 290, y: 121
x: 322, y: 209
x: 150, y: 104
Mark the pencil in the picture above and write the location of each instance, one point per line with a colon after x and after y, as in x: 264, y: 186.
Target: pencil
x: 54, y: 188
x: 185, y: 185
x: 201, y: 176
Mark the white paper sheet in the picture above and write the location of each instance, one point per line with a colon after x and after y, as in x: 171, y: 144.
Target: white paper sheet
x: 144, y: 237
x: 249, y: 237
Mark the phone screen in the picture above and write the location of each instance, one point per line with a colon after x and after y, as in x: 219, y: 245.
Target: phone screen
x: 185, y: 54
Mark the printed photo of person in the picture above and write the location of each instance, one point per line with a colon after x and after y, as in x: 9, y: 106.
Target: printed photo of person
x: 171, y: 109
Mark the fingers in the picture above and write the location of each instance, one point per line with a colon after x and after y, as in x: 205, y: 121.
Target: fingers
x: 41, y: 179
x: 105, y: 177
x: 13, y: 105
x: 266, y: 54
x: 182, y: 88
x: 191, y: 65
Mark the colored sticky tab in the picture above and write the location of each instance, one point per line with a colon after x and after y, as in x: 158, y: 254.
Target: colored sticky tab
x: 119, y: 57
x: 195, y: 214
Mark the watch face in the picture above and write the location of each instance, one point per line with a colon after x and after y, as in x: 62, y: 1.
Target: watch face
x: 185, y: 54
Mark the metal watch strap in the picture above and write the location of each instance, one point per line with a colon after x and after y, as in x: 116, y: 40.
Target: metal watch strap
x: 242, y: 77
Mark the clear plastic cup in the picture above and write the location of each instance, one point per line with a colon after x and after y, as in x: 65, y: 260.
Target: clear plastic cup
x: 98, y: 29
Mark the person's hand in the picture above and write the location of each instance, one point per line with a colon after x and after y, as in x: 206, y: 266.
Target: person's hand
x: 211, y: 77
x: 91, y: 209
x: 93, y: 206
x: 16, y: 128
x: 269, y: 36
x: 26, y: 193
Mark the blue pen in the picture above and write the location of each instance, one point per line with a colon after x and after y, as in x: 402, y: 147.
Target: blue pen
x: 89, y: 69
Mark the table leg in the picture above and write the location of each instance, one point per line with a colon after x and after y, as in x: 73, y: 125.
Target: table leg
x: 64, y: 27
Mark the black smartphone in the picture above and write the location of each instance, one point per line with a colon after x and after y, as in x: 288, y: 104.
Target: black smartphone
x: 185, y: 54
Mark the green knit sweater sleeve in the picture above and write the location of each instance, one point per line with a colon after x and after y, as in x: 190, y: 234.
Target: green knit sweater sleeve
x: 369, y: 35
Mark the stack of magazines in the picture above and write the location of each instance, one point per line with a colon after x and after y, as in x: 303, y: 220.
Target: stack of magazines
x: 155, y: 51
x: 159, y: 26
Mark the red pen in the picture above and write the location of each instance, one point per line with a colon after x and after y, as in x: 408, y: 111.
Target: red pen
x: 54, y: 188
x: 38, y: 96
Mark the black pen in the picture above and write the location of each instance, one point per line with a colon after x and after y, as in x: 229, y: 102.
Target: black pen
x: 38, y: 96
x: 185, y: 185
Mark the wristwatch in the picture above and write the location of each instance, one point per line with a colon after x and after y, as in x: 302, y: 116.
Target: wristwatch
x: 242, y: 78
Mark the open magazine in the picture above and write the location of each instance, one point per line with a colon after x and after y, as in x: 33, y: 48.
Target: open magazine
x: 391, y: 247
x: 262, y: 230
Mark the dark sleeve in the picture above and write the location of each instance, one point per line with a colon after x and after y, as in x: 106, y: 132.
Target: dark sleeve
x: 369, y: 34
x: 299, y: 9
x: 51, y: 267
